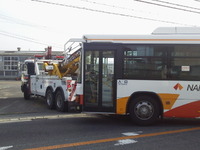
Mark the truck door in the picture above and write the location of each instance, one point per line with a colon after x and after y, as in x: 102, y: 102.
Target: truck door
x: 39, y: 79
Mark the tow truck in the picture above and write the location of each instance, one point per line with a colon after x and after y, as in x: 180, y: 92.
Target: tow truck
x: 53, y: 79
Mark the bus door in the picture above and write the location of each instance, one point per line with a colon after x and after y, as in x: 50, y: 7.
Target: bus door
x: 99, y: 81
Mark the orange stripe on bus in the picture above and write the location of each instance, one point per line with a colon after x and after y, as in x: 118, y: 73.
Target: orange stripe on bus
x: 168, y: 100
x: 121, y: 105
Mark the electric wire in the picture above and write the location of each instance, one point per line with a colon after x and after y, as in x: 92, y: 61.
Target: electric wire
x: 19, y: 21
x: 26, y: 39
x: 110, y: 13
x: 113, y: 6
x: 108, y: 5
x: 160, y: 1
x: 166, y: 6
x: 95, y: 10
x: 175, y: 4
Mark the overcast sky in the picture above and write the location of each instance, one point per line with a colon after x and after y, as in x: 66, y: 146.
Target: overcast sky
x: 36, y: 24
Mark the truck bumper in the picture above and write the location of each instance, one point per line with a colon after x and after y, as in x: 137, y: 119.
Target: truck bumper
x: 74, y: 107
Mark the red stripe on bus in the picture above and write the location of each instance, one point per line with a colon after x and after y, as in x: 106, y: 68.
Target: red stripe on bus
x: 191, y: 110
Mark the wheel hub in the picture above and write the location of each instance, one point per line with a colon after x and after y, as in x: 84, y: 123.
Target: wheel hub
x: 49, y: 99
x: 144, y: 110
x: 59, y: 101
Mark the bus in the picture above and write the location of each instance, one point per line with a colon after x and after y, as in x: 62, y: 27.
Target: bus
x: 145, y: 76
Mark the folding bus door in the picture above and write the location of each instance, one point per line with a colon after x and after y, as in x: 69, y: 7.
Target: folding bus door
x: 99, y: 81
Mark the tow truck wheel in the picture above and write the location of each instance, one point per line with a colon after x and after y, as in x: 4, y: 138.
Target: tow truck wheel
x: 61, y: 105
x: 26, y: 93
x: 50, y: 99
x: 26, y: 96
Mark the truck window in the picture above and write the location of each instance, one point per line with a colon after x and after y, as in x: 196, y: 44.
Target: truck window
x: 31, y: 68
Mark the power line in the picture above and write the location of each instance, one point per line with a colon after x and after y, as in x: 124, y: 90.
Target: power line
x: 109, y: 12
x: 15, y: 35
x: 19, y: 21
x: 103, y: 4
x: 182, y: 9
x: 113, y: 6
x: 24, y: 38
x: 175, y: 4
x: 159, y: 1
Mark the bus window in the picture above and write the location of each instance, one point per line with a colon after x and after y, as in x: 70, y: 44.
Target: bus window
x: 145, y: 62
x: 185, y: 62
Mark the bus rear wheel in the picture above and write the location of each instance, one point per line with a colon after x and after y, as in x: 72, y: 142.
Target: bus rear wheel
x: 61, y: 104
x: 144, y: 110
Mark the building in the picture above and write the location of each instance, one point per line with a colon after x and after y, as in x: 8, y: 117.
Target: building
x: 11, y: 61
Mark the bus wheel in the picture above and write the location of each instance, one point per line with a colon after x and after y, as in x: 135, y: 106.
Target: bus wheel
x: 144, y: 110
x: 61, y: 105
x: 50, y: 99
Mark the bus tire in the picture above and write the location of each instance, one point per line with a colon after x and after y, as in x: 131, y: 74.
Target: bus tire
x: 50, y: 99
x: 61, y: 105
x: 144, y: 110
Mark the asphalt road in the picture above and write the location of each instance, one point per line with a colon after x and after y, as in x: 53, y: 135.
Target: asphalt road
x: 29, y: 125
x: 13, y: 104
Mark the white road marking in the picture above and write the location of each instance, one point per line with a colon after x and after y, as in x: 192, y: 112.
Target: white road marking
x: 5, y: 147
x: 126, y: 141
x: 130, y: 133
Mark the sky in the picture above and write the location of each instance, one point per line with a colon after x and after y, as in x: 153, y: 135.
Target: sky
x: 36, y: 24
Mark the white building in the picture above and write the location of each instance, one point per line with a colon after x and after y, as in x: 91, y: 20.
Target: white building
x: 10, y: 62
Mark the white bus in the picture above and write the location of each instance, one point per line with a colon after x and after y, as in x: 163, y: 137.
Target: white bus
x: 145, y: 76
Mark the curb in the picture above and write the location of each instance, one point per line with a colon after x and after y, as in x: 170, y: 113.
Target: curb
x: 31, y: 118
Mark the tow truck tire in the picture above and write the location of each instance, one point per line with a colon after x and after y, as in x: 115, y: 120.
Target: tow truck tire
x: 144, y: 110
x: 61, y: 105
x: 26, y: 93
x: 50, y: 99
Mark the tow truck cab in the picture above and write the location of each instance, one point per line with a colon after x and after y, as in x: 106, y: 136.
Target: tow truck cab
x: 28, y: 69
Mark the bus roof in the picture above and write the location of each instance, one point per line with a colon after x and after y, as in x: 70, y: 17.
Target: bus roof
x: 172, y: 35
x: 177, y: 30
